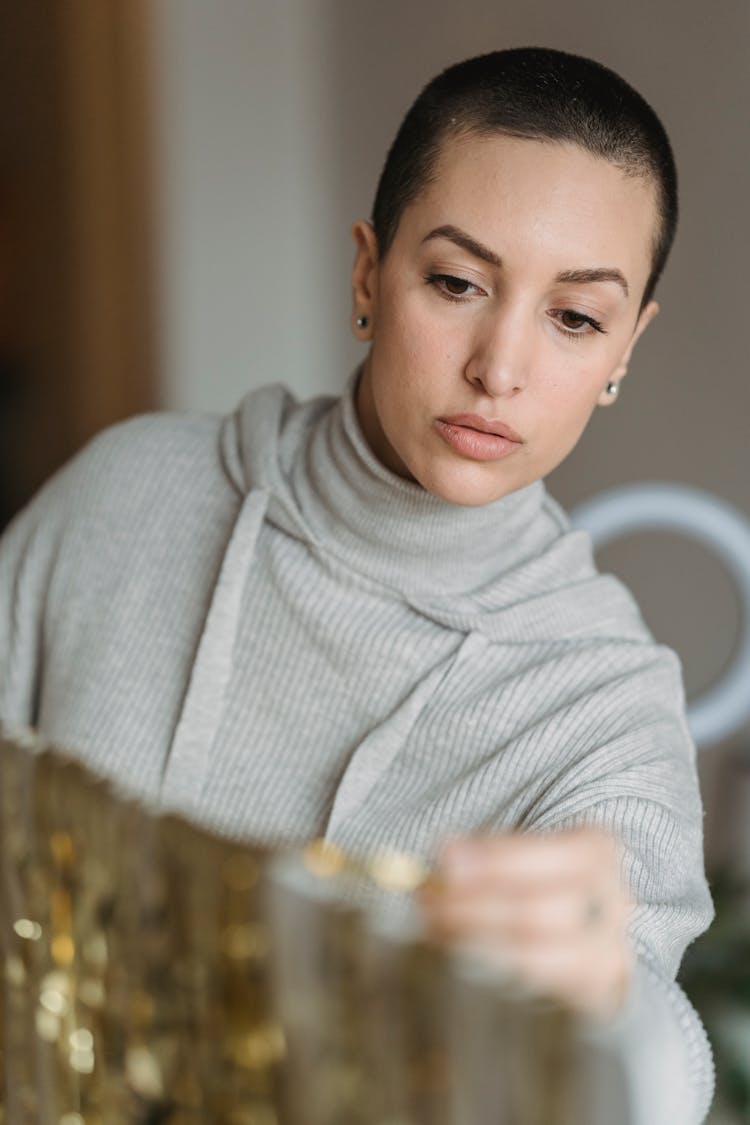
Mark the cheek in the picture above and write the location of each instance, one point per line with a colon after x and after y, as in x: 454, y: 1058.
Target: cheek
x: 575, y: 373
x: 409, y: 344
x: 574, y: 397
x: 568, y: 396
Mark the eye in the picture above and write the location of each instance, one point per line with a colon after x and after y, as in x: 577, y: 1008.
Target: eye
x: 453, y: 288
x: 574, y: 323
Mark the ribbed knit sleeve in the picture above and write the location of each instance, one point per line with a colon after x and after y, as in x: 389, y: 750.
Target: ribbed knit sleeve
x: 649, y: 801
x: 28, y: 551
x: 105, y: 582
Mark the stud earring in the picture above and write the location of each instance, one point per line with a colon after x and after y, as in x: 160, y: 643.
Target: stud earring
x: 612, y: 389
x: 362, y: 322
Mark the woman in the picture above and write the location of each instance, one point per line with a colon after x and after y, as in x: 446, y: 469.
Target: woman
x: 365, y: 619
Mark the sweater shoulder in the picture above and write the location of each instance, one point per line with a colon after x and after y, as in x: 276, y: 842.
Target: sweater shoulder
x: 140, y: 449
x: 149, y: 465
x: 140, y: 490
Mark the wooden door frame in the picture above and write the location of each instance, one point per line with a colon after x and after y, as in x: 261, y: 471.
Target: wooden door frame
x: 106, y: 78
x: 77, y: 292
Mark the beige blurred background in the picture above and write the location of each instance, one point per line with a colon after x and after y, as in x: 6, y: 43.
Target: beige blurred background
x: 177, y: 183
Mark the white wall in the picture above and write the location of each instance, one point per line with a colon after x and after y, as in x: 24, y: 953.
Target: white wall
x: 246, y: 160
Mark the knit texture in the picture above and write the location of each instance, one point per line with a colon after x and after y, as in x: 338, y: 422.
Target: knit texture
x: 253, y: 622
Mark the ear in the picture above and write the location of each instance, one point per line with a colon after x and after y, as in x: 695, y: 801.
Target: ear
x: 364, y: 278
x: 646, y: 316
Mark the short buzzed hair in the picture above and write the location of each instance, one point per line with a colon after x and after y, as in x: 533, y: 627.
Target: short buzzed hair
x: 538, y: 94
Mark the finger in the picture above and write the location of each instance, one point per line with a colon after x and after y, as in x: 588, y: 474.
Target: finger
x: 518, y: 860
x: 587, y: 896
x: 529, y: 917
x: 593, y: 981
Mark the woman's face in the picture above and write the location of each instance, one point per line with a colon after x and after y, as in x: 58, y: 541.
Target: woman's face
x: 507, y: 301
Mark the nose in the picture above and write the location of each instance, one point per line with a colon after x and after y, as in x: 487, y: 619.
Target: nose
x: 500, y: 358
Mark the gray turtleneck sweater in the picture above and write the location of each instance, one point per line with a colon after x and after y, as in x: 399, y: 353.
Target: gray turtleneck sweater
x: 251, y: 621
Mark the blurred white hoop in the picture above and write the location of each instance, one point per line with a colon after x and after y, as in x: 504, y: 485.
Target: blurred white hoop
x: 699, y: 515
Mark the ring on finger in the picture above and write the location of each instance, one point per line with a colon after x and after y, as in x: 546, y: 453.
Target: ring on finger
x: 593, y: 911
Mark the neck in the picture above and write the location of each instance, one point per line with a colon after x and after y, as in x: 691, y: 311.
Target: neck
x: 390, y: 528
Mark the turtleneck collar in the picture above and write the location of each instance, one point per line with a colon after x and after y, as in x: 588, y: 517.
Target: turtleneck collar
x: 391, y: 529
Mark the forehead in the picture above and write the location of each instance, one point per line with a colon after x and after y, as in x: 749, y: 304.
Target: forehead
x: 541, y: 199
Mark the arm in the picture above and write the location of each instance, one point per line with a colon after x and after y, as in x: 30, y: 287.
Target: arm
x: 27, y: 556
x: 526, y: 898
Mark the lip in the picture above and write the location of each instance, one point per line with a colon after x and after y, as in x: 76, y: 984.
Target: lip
x: 483, y: 426
x: 477, y: 438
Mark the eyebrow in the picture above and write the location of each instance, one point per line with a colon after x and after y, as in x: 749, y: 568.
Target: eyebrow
x: 583, y: 277
x: 466, y: 242
x: 577, y: 277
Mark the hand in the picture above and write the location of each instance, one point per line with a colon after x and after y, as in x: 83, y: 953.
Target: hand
x: 549, y: 908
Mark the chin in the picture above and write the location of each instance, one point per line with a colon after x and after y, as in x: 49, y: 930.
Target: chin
x: 466, y: 486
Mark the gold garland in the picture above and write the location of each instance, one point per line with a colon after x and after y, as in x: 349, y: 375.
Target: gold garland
x: 154, y: 972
